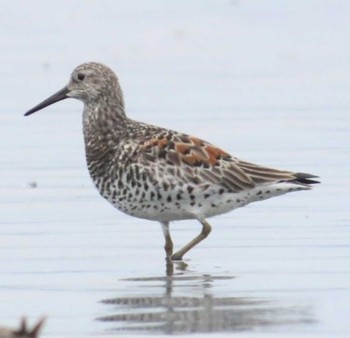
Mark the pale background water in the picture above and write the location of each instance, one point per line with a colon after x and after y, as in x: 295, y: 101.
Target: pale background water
x: 268, y: 81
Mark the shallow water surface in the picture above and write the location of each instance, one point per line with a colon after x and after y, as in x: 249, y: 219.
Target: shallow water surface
x: 266, y: 82
x: 189, y: 304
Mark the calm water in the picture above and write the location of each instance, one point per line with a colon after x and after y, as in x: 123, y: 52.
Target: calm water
x: 265, y: 81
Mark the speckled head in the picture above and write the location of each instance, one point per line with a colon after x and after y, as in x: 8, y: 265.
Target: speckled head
x: 89, y: 83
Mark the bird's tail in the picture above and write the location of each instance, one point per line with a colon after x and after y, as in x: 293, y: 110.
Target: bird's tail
x: 305, y: 179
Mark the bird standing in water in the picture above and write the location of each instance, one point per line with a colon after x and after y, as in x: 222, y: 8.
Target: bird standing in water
x: 160, y: 174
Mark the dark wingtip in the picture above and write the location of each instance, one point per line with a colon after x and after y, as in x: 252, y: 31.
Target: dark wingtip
x: 305, y: 178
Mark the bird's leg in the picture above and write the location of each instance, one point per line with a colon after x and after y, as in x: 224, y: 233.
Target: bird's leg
x: 168, y: 242
x: 177, y: 256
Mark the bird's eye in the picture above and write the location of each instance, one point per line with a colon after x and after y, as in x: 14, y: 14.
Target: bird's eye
x: 81, y: 76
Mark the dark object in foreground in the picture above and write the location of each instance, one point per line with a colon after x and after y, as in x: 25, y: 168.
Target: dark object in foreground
x: 23, y: 331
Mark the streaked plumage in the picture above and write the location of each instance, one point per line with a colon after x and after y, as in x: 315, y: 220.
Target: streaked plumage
x: 159, y: 174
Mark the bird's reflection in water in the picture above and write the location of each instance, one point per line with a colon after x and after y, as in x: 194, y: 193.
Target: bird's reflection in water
x: 183, y: 302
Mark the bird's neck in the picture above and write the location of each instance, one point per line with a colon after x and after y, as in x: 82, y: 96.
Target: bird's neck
x: 104, y: 129
x: 104, y: 118
x: 104, y: 126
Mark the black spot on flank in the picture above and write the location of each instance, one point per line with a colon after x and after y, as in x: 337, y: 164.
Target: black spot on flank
x: 206, y: 195
x: 193, y: 203
x: 213, y: 205
x: 178, y: 197
x: 221, y: 191
x: 120, y: 184
x: 155, y: 207
x: 259, y: 193
x: 159, y: 196
x: 165, y: 186
x: 152, y: 195
x: 200, y: 205
x: 189, y: 189
x: 146, y: 186
x: 268, y: 191
x: 169, y: 198
x: 137, y: 174
x: 238, y: 200
x: 192, y: 197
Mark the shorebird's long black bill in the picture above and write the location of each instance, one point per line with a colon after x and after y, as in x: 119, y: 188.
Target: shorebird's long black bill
x: 60, y: 95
